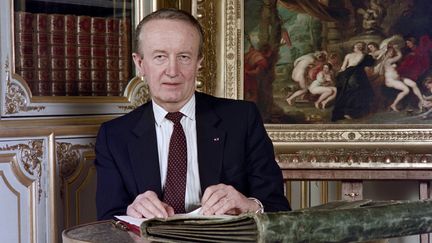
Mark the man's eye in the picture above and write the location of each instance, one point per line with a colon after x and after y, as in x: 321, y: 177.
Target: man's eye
x: 160, y: 58
x: 184, y: 59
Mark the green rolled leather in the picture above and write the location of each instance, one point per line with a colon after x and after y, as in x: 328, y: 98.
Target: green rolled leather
x: 333, y: 222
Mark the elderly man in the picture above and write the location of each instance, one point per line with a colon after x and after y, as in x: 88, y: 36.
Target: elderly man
x: 183, y: 149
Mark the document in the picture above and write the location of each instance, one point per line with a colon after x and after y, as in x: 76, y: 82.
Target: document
x: 138, y: 221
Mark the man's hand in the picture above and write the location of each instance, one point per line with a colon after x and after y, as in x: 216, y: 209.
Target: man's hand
x: 148, y: 205
x: 224, y: 199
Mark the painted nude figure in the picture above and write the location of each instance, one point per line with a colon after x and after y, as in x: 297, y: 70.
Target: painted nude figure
x: 300, y: 72
x: 324, y: 86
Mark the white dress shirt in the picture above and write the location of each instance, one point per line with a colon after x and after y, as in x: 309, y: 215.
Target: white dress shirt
x: 164, y: 129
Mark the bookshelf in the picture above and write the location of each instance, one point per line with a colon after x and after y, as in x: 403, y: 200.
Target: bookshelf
x: 77, y: 53
x: 67, y: 58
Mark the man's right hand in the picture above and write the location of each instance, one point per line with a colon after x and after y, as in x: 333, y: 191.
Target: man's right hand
x: 148, y: 205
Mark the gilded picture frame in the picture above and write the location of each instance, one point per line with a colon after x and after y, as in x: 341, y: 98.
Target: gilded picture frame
x: 352, y: 146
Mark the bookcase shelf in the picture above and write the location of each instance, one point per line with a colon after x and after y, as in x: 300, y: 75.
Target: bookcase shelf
x: 75, y: 49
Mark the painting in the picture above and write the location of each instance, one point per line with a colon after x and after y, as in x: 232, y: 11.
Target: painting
x: 338, y: 62
x: 270, y: 35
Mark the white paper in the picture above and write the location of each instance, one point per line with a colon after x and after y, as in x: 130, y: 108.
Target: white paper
x: 138, y: 221
x: 131, y: 220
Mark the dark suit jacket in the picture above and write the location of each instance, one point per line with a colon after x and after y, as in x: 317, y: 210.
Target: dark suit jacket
x: 233, y: 148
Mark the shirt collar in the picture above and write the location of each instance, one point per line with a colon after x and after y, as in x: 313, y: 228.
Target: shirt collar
x: 188, y: 110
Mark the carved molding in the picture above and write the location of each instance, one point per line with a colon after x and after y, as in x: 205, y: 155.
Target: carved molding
x: 365, y: 158
x: 30, y: 157
x: 69, y: 157
x: 16, y: 99
x: 137, y: 93
x: 365, y: 135
x: 206, y: 15
x: 232, y: 36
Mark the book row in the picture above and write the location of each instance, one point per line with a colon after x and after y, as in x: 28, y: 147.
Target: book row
x: 72, y: 55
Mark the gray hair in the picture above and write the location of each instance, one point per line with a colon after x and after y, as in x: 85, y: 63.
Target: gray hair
x: 172, y: 14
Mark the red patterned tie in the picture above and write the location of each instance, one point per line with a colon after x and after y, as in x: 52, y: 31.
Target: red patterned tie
x: 175, y: 184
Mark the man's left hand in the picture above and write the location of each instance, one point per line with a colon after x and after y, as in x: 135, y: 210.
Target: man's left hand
x: 225, y: 199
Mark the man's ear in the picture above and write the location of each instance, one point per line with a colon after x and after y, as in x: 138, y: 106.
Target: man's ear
x: 138, y: 60
x: 199, y: 63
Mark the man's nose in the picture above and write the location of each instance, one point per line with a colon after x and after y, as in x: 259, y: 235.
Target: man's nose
x: 172, y: 68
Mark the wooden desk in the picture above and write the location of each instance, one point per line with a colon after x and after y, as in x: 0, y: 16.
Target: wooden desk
x: 101, y: 231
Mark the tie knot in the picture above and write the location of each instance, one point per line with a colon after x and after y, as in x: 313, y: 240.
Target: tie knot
x: 174, y: 116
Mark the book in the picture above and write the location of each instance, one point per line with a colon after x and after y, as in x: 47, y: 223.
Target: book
x: 339, y: 221
x: 98, y: 56
x: 42, y: 84
x: 84, y: 55
x: 134, y: 224
x: 56, y: 41
x: 112, y: 62
x: 71, y: 64
x: 24, y: 49
x: 124, y: 51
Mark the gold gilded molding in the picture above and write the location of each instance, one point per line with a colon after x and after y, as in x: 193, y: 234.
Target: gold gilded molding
x: 69, y: 156
x: 53, y: 188
x: 304, y: 194
x: 137, y: 92
x: 16, y: 98
x: 12, y: 159
x: 324, y: 192
x: 354, y: 158
x: 206, y: 15
x: 363, y: 135
x: 31, y: 156
x: 233, y: 50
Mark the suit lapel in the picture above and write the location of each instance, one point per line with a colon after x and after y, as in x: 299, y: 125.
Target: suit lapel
x: 144, y: 154
x: 210, y: 141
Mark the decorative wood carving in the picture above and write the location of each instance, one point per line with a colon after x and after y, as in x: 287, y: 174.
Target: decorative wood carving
x: 16, y: 98
x: 30, y: 156
x: 69, y: 157
x: 206, y: 15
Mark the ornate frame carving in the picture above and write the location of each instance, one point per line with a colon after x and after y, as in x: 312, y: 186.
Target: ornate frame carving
x: 206, y: 15
x: 408, y: 146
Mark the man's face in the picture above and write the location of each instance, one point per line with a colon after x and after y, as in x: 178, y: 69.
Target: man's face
x: 169, y: 61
